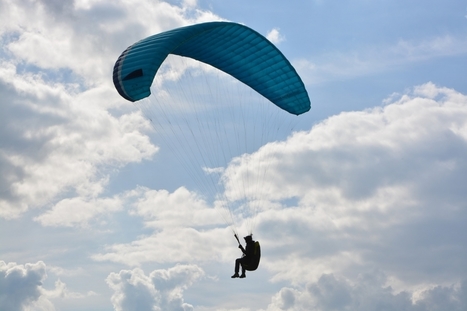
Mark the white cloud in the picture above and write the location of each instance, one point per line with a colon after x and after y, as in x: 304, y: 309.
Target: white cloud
x: 162, y: 209
x: 86, y: 36
x: 57, y: 140
x: 78, y: 211
x: 173, y: 245
x: 161, y: 290
x: 20, y: 285
x: 186, y: 229
x: 368, y: 292
x: 370, y: 60
x: 60, y: 271
x: 21, y: 288
x: 358, y: 191
x: 274, y: 36
x: 381, y: 188
x: 346, y: 152
x: 375, y: 188
x: 56, y: 62
x: 189, y: 3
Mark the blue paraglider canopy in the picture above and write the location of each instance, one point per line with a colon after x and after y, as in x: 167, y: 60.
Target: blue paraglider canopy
x: 233, y: 48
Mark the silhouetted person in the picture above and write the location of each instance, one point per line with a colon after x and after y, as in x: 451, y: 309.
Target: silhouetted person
x: 248, y: 256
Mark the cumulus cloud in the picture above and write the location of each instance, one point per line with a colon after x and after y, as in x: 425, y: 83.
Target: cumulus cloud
x: 274, y: 36
x: 21, y: 288
x: 56, y: 140
x: 58, y: 135
x: 160, y: 290
x: 376, y: 188
x: 77, y: 211
x: 380, y: 188
x: 348, y: 148
x: 368, y: 292
x: 20, y: 285
x: 185, y: 228
x: 173, y: 245
x: 86, y: 36
x: 359, y: 153
x: 161, y: 209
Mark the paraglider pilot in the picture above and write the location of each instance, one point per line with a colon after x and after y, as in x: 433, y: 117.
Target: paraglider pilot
x: 247, y: 258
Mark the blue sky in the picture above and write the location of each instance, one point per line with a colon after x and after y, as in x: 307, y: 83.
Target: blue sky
x: 360, y: 204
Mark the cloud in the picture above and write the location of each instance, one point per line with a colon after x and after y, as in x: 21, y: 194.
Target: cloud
x: 185, y: 230
x: 189, y: 3
x: 161, y: 209
x: 346, y: 152
x: 22, y: 288
x: 333, y: 66
x: 56, y: 140
x: 274, y: 36
x: 173, y: 245
x: 380, y: 188
x: 77, y: 211
x: 368, y: 292
x: 161, y: 290
x: 374, y: 188
x: 86, y: 36
x: 20, y: 285
x: 64, y: 128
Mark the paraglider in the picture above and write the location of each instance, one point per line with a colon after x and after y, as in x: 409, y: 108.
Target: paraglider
x: 233, y: 49
x: 250, y: 259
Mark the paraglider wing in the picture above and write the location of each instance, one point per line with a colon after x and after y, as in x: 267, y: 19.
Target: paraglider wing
x: 233, y: 48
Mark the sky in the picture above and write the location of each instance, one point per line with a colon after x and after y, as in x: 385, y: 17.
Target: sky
x: 359, y: 204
